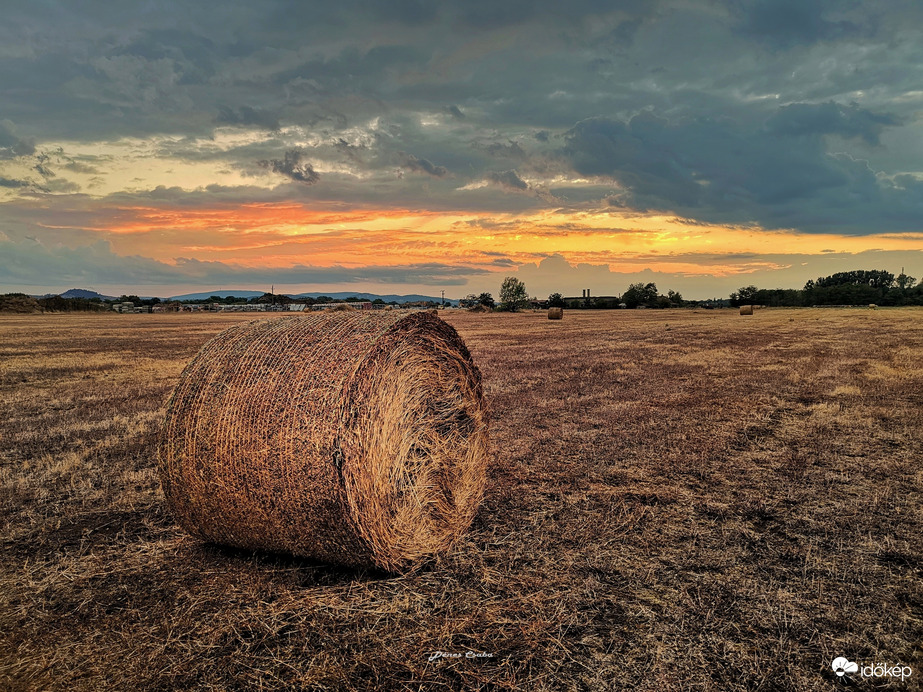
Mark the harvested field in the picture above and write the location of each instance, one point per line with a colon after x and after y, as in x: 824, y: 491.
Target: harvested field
x: 677, y: 500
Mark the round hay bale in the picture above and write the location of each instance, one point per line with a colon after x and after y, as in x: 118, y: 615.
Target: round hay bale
x: 746, y: 309
x: 358, y: 438
x: 340, y: 307
x: 555, y: 313
x: 433, y: 311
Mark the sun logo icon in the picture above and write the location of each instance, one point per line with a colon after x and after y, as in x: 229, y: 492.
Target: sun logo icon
x: 842, y: 665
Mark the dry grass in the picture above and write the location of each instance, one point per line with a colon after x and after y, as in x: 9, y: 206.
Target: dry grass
x: 358, y: 439
x: 657, y: 517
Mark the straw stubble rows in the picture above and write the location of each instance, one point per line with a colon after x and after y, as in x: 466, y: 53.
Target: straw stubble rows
x: 675, y: 500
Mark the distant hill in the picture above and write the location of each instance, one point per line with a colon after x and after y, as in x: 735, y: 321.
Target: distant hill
x: 413, y: 298
x: 79, y: 293
x: 221, y: 294
x: 339, y: 294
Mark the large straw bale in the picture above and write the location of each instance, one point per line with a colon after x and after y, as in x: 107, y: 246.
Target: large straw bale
x: 746, y: 309
x: 555, y: 313
x: 355, y: 438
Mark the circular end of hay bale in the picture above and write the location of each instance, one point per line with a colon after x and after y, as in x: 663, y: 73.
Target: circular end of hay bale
x: 358, y: 439
x: 746, y: 309
x: 555, y: 313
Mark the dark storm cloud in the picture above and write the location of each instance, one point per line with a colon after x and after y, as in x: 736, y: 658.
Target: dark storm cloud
x: 473, y: 87
x: 292, y: 166
x: 195, y: 55
x: 13, y: 184
x: 725, y: 171
x: 509, y: 150
x: 508, y: 180
x: 787, y: 23
x: 489, y: 13
x: 807, y: 119
x: 245, y: 115
x: 412, y: 163
x: 11, y: 145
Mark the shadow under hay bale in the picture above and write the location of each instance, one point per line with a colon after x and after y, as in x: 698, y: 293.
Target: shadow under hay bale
x: 746, y: 309
x: 351, y: 438
x: 555, y: 313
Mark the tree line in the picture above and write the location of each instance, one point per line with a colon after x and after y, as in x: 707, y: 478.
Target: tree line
x: 513, y: 297
x: 858, y: 287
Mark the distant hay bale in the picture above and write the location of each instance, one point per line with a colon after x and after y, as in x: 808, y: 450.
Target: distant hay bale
x: 340, y: 307
x: 480, y: 308
x: 746, y: 309
x: 358, y: 439
x: 555, y: 313
x: 873, y: 306
x: 434, y: 311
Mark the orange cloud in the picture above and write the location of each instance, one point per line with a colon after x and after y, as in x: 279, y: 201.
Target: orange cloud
x: 289, y: 233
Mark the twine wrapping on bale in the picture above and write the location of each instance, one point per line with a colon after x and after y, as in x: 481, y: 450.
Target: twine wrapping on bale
x: 746, y: 309
x: 354, y: 438
x: 555, y: 313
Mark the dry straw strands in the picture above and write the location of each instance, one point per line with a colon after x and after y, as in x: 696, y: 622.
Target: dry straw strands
x: 746, y: 309
x: 355, y: 438
x: 555, y: 313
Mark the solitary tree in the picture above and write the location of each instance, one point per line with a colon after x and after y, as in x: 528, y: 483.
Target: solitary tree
x: 486, y: 299
x: 513, y: 294
x: 556, y: 300
x: 903, y: 281
x: 640, y: 294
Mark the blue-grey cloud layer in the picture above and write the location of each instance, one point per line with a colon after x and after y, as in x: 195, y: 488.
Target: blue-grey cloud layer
x: 784, y: 113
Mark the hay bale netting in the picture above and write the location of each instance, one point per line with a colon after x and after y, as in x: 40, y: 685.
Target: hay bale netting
x: 555, y: 313
x: 746, y: 309
x: 353, y: 438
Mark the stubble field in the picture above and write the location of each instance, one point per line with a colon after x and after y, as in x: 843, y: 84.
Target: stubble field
x: 678, y: 500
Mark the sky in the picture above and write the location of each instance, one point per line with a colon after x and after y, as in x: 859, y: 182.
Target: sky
x: 415, y: 146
